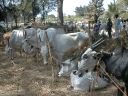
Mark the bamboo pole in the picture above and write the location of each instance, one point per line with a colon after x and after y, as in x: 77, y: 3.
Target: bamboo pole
x: 51, y: 58
x: 37, y: 55
x: 24, y: 34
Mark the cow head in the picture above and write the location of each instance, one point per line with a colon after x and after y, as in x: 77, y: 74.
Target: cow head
x: 27, y: 47
x: 88, y: 58
x: 29, y: 33
x: 67, y: 66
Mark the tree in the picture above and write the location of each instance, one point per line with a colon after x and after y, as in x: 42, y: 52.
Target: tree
x: 95, y: 9
x: 60, y: 12
x: 111, y: 8
x: 122, y: 5
x: 119, y: 6
x: 34, y: 7
x: 80, y: 11
x: 13, y: 9
x: 26, y: 9
x: 3, y: 13
x: 46, y: 6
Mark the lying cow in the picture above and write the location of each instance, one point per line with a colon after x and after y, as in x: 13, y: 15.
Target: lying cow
x: 80, y: 80
x: 116, y: 64
x: 67, y: 67
x: 87, y: 81
x: 72, y: 64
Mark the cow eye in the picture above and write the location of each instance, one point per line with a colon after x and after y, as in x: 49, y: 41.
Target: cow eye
x: 85, y: 56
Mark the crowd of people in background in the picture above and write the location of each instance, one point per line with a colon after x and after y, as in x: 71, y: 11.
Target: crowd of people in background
x: 119, y: 25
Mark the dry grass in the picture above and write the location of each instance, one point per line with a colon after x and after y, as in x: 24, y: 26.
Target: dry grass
x: 25, y: 77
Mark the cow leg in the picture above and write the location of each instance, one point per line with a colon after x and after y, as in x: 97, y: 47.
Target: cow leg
x: 44, y: 52
x: 11, y: 54
x: 119, y: 93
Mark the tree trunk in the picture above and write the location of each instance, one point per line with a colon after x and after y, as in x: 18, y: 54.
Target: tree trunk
x: 60, y: 12
x: 23, y: 14
x: 5, y: 10
x: 33, y: 9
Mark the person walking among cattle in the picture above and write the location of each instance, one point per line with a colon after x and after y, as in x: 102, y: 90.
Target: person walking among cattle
x: 117, y: 23
x: 109, y: 27
x: 96, y: 31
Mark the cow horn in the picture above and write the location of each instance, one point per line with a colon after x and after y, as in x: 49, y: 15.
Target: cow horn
x: 97, y: 42
x: 96, y: 45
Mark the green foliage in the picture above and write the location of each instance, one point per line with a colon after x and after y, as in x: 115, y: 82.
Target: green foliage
x: 38, y: 6
x: 95, y: 7
x: 3, y: 12
x: 46, y: 6
x: 80, y: 11
x: 2, y: 15
x: 120, y: 7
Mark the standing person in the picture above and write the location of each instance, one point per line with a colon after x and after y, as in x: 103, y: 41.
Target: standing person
x: 117, y: 24
x: 109, y: 27
x: 95, y: 31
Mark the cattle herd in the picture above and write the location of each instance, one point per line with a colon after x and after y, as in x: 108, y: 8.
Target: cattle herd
x: 82, y: 75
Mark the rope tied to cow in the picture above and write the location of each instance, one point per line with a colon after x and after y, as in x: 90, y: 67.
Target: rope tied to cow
x: 117, y: 85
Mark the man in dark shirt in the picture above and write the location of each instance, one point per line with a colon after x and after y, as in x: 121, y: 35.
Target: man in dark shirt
x: 109, y: 27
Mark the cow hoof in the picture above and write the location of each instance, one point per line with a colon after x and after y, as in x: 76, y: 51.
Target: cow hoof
x: 59, y: 75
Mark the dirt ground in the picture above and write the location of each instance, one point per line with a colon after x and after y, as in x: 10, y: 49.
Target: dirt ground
x: 27, y: 77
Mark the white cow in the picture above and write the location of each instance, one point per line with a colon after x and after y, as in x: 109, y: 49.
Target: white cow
x: 16, y: 42
x: 67, y: 67
x: 87, y: 81
x: 60, y: 41
x: 39, y: 40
